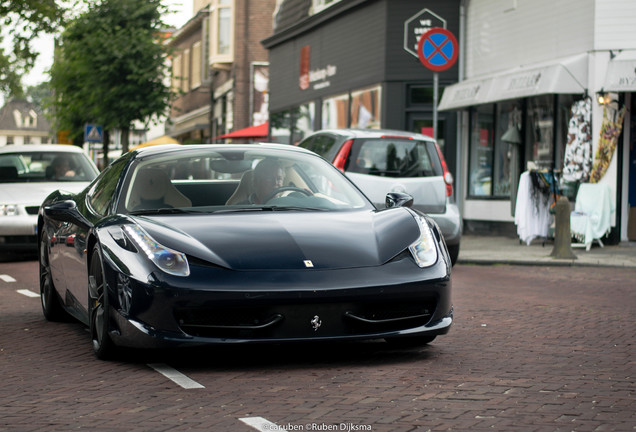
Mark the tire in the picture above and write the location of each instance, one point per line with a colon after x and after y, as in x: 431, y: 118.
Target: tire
x: 453, y: 251
x: 98, y: 309
x: 51, y: 304
x: 410, y: 342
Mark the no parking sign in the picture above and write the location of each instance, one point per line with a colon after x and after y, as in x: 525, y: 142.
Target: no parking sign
x: 438, y: 49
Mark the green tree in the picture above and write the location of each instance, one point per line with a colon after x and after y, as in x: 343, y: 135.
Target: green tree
x: 26, y: 20
x: 111, y: 67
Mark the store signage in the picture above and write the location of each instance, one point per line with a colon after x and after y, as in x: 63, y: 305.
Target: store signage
x: 417, y: 25
x: 318, y: 78
x: 526, y: 81
x: 438, y: 49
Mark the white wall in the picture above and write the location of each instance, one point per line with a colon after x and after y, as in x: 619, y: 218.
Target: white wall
x: 615, y: 24
x: 502, y: 34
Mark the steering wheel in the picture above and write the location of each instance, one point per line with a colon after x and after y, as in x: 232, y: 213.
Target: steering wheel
x: 280, y: 190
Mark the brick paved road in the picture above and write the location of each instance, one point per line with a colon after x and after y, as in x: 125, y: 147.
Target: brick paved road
x: 532, y: 348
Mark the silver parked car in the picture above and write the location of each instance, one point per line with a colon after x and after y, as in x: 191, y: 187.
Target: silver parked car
x: 380, y: 161
x: 28, y: 174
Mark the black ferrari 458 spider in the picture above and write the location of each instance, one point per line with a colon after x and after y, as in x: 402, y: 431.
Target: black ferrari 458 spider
x: 211, y: 244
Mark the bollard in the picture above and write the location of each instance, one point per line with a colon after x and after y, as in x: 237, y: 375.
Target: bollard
x: 562, y: 235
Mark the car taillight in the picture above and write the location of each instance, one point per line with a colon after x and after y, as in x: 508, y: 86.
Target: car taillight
x: 448, y: 177
x: 341, y: 158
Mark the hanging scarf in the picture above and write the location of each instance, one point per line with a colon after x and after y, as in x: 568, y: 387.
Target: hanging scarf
x: 578, y: 151
x: 610, y: 130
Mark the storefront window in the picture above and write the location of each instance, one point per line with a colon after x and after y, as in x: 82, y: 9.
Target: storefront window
x: 335, y: 112
x: 304, y: 121
x: 281, y: 127
x: 564, y: 115
x: 540, y: 131
x: 481, y: 151
x: 365, y: 108
x: 507, y: 146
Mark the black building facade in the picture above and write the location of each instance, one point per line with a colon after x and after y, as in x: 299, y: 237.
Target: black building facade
x: 354, y: 63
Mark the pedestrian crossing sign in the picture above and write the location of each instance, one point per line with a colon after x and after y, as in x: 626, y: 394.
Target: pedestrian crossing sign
x: 93, y: 133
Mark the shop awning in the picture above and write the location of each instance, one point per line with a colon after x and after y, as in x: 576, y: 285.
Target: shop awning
x: 566, y: 76
x: 621, y: 73
x: 254, y: 132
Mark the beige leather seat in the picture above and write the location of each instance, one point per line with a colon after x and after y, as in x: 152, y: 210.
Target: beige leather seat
x: 243, y: 191
x: 152, y: 189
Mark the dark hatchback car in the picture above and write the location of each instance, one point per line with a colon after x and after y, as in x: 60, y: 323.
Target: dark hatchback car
x: 380, y: 161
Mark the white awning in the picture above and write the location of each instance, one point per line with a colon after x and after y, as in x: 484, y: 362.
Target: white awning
x: 621, y: 73
x: 563, y: 77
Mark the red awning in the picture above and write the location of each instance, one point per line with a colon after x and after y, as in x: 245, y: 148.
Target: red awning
x: 259, y: 131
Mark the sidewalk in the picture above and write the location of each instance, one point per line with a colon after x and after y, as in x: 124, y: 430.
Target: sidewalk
x: 476, y: 249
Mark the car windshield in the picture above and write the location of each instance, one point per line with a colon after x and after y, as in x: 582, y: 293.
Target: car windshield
x: 237, y: 180
x: 45, y: 166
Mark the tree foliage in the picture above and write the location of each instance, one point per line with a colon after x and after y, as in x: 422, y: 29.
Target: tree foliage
x: 24, y: 21
x: 111, y: 66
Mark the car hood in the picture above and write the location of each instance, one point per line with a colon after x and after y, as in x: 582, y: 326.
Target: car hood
x: 287, y: 240
x: 35, y: 193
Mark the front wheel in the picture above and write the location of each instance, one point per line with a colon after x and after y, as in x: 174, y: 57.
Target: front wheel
x: 98, y: 309
x: 51, y: 305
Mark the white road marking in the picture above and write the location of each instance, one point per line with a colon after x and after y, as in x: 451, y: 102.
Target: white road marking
x: 28, y: 293
x: 175, y: 376
x: 7, y: 278
x: 260, y: 424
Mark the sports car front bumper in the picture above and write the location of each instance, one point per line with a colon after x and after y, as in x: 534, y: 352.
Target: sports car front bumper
x: 220, y: 306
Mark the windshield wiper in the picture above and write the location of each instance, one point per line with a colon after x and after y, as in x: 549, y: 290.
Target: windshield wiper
x: 162, y: 211
x: 294, y: 208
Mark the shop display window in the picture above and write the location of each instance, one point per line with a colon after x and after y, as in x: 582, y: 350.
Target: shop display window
x: 335, y: 112
x: 304, y: 118
x: 365, y: 108
x: 481, y: 151
x: 540, y: 131
x: 506, y: 163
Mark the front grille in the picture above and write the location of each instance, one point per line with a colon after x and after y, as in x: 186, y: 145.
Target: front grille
x: 295, y: 320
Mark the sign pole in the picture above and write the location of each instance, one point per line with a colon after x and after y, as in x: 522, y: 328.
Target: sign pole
x: 437, y: 49
x: 435, y: 90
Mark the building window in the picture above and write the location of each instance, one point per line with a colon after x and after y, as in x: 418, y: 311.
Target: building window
x: 195, y: 76
x: 303, y: 121
x: 507, y: 154
x: 185, y: 71
x: 335, y: 112
x: 365, y: 108
x: 176, y: 74
x: 9, y: 140
x: 291, y: 126
x: 44, y: 140
x: 481, y: 150
x: 222, y: 26
x: 281, y: 127
x: 27, y: 139
x: 540, y: 131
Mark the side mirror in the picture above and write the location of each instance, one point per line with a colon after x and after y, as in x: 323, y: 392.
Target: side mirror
x: 66, y: 211
x: 398, y: 199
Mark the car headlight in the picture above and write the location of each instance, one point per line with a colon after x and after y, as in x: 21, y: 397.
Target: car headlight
x: 8, y: 210
x: 168, y: 260
x: 423, y: 249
